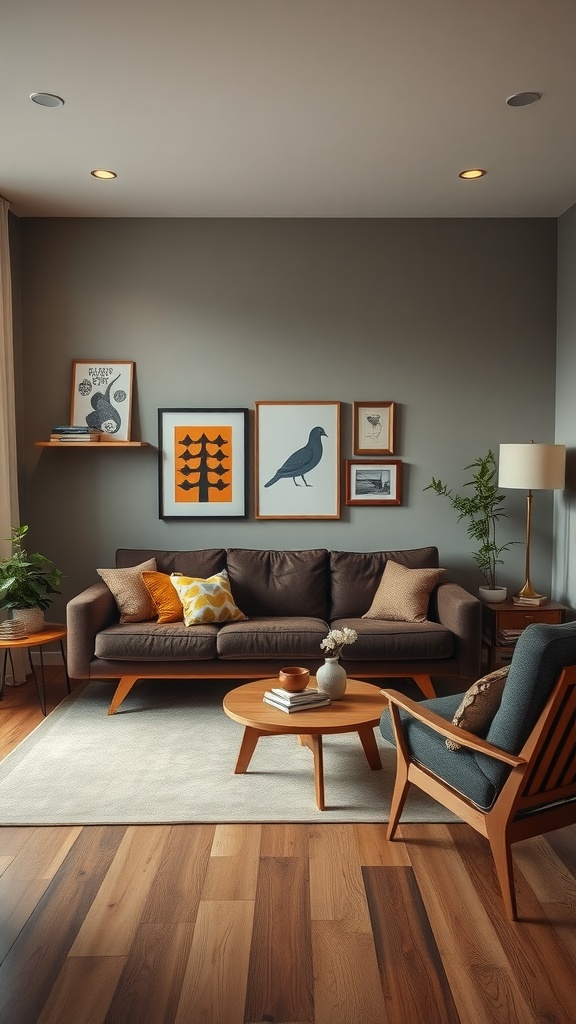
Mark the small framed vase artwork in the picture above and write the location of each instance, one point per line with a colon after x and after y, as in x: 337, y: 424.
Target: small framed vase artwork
x: 202, y: 463
x: 297, y: 460
x: 373, y: 428
x: 373, y: 482
x: 102, y: 397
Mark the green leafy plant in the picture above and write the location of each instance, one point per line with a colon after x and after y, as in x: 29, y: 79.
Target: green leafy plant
x: 482, y: 508
x: 27, y: 580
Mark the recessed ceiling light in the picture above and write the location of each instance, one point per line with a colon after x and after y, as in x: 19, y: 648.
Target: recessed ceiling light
x: 523, y: 99
x: 46, y: 99
x: 472, y: 172
x: 100, y: 172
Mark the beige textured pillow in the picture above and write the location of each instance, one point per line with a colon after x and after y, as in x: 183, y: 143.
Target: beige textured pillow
x: 403, y: 594
x: 131, y: 596
x: 479, y: 705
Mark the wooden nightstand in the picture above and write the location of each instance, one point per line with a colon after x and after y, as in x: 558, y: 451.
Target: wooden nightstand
x: 507, y: 616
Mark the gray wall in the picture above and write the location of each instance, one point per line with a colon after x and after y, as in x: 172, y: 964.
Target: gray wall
x: 454, y: 320
x: 565, y: 506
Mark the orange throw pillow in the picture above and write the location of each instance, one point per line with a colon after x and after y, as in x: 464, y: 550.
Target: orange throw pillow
x: 164, y: 596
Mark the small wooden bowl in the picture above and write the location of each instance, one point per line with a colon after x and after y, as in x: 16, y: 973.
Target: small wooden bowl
x: 294, y: 679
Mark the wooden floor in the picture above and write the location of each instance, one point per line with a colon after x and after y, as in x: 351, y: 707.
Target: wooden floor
x: 308, y: 924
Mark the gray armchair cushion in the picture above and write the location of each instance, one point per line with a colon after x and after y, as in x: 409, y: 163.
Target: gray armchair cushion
x: 542, y: 651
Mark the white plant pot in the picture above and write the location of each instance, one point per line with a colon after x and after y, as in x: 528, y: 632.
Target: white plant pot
x: 493, y: 595
x: 31, y: 618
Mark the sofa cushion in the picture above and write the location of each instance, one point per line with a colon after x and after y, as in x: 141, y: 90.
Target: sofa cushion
x: 206, y: 600
x: 272, y: 637
x: 131, y: 596
x: 381, y: 640
x: 204, y: 562
x: 355, y: 576
x: 164, y: 596
x: 403, y: 594
x: 266, y: 583
x: 479, y: 705
x: 150, y: 641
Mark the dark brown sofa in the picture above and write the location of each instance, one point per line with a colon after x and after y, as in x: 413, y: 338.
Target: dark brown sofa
x: 292, y: 599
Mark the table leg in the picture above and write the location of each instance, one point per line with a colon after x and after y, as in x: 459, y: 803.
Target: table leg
x: 247, y: 748
x: 41, y: 689
x: 368, y: 741
x: 65, y: 666
x: 3, y: 672
x: 315, y: 745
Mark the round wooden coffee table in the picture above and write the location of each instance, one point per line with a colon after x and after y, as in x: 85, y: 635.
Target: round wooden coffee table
x: 359, y: 711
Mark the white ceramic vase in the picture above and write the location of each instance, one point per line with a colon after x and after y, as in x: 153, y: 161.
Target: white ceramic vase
x: 493, y: 595
x: 331, y: 678
x: 31, y: 618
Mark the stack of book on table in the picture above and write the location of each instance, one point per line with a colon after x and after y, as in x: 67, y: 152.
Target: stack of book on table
x: 77, y: 434
x: 305, y: 700
x: 529, y: 602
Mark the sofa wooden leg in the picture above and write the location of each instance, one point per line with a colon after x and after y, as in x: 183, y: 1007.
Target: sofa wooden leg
x: 425, y: 684
x: 122, y: 690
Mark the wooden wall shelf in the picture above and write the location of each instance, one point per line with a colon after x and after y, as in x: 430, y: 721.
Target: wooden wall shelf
x: 91, y: 444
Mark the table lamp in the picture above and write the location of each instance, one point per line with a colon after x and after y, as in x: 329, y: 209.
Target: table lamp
x: 531, y: 467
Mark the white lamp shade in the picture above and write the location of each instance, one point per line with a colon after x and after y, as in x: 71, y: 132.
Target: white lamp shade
x: 532, y: 466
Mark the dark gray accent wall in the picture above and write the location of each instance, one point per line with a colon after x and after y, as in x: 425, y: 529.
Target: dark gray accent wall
x: 454, y: 320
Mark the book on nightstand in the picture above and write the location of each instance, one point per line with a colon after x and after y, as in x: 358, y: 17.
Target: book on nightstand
x: 529, y: 602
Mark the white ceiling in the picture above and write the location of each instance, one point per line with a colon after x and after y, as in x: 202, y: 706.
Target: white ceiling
x: 288, y: 108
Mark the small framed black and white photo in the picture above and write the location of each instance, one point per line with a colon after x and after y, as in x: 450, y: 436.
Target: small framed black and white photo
x: 376, y: 482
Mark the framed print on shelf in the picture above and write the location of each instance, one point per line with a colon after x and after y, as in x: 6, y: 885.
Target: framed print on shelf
x: 202, y: 463
x: 297, y: 460
x: 373, y: 428
x: 102, y: 396
x: 377, y: 482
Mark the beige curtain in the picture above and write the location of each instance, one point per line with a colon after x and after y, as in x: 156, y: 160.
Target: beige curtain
x: 9, y: 512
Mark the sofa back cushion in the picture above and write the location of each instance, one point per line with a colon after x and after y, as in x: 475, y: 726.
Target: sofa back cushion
x: 204, y: 562
x: 279, y: 582
x: 355, y: 576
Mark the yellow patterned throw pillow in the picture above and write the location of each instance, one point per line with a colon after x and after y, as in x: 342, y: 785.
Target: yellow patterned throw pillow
x: 403, y: 594
x: 206, y: 600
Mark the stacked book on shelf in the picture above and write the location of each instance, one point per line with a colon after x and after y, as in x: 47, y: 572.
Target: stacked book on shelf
x: 507, y: 639
x: 75, y: 434
x: 305, y: 700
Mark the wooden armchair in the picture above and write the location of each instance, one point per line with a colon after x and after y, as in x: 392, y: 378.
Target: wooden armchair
x: 520, y: 781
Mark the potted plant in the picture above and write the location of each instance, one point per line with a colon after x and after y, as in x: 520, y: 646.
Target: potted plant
x: 27, y: 581
x: 482, y: 508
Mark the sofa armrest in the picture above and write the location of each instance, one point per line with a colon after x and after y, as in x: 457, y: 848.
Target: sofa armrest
x: 461, y: 613
x: 86, y: 614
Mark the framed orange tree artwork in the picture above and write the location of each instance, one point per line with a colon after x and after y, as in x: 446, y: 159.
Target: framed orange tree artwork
x: 202, y: 463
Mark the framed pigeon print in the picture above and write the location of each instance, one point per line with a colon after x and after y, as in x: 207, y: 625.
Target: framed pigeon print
x: 202, y: 463
x: 373, y: 428
x: 297, y: 460
x: 102, y: 397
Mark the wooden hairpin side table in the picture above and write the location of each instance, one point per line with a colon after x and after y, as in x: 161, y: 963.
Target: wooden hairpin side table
x: 497, y: 619
x: 52, y: 633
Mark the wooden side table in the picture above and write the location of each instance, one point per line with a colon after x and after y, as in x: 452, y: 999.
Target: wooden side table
x: 52, y: 633
x: 506, y: 615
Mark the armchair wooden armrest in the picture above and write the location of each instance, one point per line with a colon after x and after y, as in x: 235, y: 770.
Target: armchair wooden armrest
x: 398, y: 700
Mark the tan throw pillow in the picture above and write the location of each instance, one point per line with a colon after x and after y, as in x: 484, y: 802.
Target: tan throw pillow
x: 403, y: 594
x: 479, y: 705
x: 131, y: 596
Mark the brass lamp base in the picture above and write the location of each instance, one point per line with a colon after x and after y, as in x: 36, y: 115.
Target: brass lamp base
x: 528, y: 591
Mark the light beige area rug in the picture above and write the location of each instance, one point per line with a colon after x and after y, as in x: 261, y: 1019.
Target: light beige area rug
x: 168, y: 756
